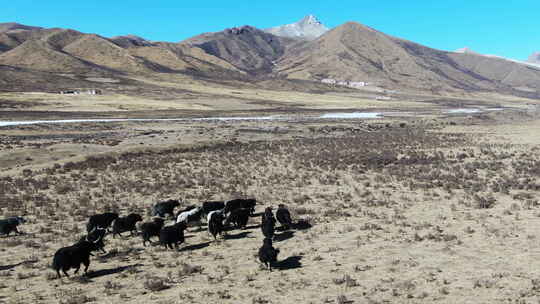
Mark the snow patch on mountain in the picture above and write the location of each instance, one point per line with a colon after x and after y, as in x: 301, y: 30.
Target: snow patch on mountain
x: 309, y: 28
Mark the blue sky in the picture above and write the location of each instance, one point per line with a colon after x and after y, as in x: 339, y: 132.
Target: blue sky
x: 505, y: 28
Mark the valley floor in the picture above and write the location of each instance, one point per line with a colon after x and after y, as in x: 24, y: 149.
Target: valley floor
x: 407, y: 209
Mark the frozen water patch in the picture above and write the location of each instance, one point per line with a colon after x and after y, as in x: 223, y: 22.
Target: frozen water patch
x: 471, y: 110
x: 62, y: 121
x: 463, y: 111
x: 237, y: 118
x: 36, y: 122
x: 350, y: 115
x: 354, y: 115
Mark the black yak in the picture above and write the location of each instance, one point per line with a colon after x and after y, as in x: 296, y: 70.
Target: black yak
x: 150, y: 229
x: 125, y: 224
x: 208, y: 207
x: 215, y: 223
x: 240, y: 203
x: 10, y: 224
x: 238, y: 217
x: 268, y: 229
x: 268, y: 254
x: 172, y: 235
x: 191, y: 217
x: 103, y: 221
x: 161, y: 209
x: 73, y: 256
x: 96, y: 234
x: 284, y: 217
x: 268, y: 215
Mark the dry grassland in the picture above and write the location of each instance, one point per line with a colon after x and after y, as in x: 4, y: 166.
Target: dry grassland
x: 179, y: 93
x: 401, y: 213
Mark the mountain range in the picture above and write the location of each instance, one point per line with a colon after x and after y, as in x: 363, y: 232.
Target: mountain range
x: 306, y: 53
x: 534, y: 58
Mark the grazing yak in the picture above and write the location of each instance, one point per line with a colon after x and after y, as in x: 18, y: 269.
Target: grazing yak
x: 268, y: 223
x: 268, y: 229
x: 150, y: 229
x: 268, y: 215
x: 238, y: 217
x: 268, y: 254
x: 240, y: 203
x: 208, y: 207
x: 125, y: 224
x: 161, y: 209
x: 172, y: 235
x: 191, y: 217
x: 10, y: 224
x: 73, y: 256
x: 103, y: 221
x: 284, y: 217
x: 215, y: 223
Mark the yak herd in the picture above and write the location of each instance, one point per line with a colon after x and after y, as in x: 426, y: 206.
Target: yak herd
x: 219, y: 216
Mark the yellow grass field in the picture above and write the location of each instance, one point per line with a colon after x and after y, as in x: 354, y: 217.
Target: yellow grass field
x: 423, y: 208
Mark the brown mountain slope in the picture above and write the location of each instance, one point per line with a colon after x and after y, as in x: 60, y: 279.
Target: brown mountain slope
x: 247, y: 48
x: 39, y: 55
x: 130, y: 41
x: 349, y: 52
x: 13, y: 79
x: 100, y: 51
x: 358, y: 53
x: 133, y: 54
x: 507, y: 72
x: 196, y: 55
x: 55, y: 53
x: 12, y: 26
x: 161, y: 56
x: 56, y: 38
x: 60, y: 38
x: 7, y: 42
x: 182, y: 58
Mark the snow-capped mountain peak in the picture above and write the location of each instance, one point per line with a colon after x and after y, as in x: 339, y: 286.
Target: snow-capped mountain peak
x: 309, y: 28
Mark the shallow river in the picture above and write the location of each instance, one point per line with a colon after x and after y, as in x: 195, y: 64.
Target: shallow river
x: 350, y: 115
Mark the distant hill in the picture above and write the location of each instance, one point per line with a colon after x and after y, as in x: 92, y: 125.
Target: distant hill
x: 309, y: 28
x: 534, y: 58
x: 130, y: 41
x: 247, y: 48
x: 41, y: 55
x: 357, y: 53
x: 12, y: 26
x: 307, y: 55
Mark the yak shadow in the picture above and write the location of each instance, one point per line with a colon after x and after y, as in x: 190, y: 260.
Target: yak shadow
x: 283, y: 236
x: 237, y: 236
x: 292, y: 262
x: 116, y: 253
x: 302, y: 225
x: 104, y: 272
x: 232, y: 227
x: 8, y: 267
x: 283, y: 228
x: 195, y: 246
x: 256, y: 214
